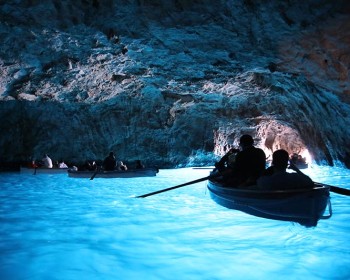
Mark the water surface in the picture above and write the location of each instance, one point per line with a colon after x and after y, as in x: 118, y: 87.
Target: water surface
x: 56, y: 227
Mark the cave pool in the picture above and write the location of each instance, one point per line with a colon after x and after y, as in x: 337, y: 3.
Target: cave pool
x: 56, y: 227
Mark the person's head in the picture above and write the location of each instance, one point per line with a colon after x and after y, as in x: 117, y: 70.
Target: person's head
x: 246, y: 141
x: 280, y: 159
x: 111, y: 154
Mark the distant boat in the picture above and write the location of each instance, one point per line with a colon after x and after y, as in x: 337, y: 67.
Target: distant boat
x: 299, y: 161
x: 43, y: 170
x: 304, y: 206
x: 130, y: 173
x: 301, y: 165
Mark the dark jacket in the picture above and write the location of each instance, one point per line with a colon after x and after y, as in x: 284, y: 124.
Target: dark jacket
x: 109, y: 163
x: 249, y: 165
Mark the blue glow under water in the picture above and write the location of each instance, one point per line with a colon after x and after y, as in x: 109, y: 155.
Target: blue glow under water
x: 55, y: 227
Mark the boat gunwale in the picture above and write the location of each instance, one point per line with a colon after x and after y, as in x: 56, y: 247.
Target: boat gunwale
x: 273, y: 204
x: 250, y: 190
x: 142, y: 172
x: 43, y: 169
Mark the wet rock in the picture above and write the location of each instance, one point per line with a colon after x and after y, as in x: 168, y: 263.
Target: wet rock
x: 173, y: 84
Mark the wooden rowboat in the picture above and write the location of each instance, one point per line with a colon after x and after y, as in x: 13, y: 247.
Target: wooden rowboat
x: 42, y: 170
x: 304, y: 206
x: 131, y: 173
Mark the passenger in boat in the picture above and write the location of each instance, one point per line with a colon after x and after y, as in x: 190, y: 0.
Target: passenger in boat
x: 32, y: 164
x: 276, y: 177
x: 93, y: 165
x: 47, y: 161
x: 90, y: 165
x: 121, y: 166
x: 248, y: 165
x: 109, y: 162
x: 62, y: 164
x: 227, y: 160
x: 297, y: 159
x: 294, y: 158
x: 139, y: 164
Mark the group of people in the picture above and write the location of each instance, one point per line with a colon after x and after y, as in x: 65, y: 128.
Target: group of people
x: 46, y: 162
x: 110, y: 163
x: 297, y: 159
x: 246, y: 167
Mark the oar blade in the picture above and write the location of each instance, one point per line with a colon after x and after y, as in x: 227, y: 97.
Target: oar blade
x: 94, y: 175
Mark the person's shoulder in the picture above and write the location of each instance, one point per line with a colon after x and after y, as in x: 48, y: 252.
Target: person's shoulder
x: 259, y: 149
x: 266, y: 182
x: 268, y: 171
x: 300, y: 180
x: 299, y: 177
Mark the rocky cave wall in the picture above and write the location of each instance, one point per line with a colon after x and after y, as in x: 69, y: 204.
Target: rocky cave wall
x: 173, y: 82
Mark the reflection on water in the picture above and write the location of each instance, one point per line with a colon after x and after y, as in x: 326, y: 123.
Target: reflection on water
x: 55, y: 227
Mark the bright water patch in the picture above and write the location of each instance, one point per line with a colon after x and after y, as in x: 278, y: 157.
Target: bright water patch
x: 55, y: 227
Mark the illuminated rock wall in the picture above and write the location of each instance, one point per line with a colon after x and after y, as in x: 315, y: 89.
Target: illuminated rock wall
x: 173, y: 83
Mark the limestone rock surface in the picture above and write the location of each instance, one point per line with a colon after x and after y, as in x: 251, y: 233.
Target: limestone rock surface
x: 173, y: 83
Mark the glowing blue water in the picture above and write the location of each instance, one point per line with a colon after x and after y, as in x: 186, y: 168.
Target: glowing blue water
x: 55, y: 227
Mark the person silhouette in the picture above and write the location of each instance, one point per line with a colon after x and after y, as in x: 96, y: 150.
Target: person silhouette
x: 247, y: 166
x: 109, y: 162
x: 276, y: 176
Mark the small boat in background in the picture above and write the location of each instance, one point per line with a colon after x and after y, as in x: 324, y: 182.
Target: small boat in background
x: 301, y: 165
x: 130, y: 173
x: 42, y: 170
x: 299, y: 161
x: 304, y: 206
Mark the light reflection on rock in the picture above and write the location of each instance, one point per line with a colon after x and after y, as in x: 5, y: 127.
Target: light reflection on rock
x: 171, y: 83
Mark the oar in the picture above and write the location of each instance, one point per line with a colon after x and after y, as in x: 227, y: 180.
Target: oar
x: 337, y: 190
x: 331, y: 188
x: 179, y: 186
x: 202, y: 168
x: 94, y: 175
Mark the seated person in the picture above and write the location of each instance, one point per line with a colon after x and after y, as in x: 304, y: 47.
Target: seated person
x: 277, y: 178
x: 33, y: 164
x: 109, y: 162
x: 248, y: 164
x: 294, y: 158
x: 139, y: 164
x: 227, y: 160
x: 62, y: 164
x: 121, y: 166
x: 47, y: 161
x: 90, y: 165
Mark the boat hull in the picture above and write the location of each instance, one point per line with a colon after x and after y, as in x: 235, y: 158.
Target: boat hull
x: 132, y: 173
x: 304, y: 206
x: 42, y: 170
x: 302, y: 165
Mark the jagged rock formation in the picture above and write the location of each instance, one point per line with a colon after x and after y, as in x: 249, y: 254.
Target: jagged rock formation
x: 173, y: 83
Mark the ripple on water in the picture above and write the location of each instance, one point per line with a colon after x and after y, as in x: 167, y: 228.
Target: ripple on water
x: 55, y: 227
